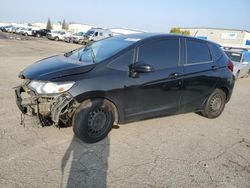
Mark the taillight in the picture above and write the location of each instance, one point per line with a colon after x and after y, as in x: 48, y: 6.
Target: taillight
x: 230, y: 65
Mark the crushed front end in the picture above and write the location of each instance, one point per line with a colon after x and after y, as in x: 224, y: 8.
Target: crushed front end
x: 51, y: 109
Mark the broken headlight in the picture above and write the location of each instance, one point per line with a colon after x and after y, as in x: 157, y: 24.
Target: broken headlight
x: 50, y: 87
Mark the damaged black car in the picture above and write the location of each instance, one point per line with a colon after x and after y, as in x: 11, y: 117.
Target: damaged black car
x: 126, y: 78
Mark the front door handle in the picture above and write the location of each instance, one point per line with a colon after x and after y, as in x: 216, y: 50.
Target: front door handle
x: 174, y: 75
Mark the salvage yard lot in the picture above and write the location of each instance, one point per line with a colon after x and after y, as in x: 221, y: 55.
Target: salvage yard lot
x: 177, y: 151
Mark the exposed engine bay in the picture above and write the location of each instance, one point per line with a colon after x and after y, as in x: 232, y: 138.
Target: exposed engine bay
x: 55, y: 109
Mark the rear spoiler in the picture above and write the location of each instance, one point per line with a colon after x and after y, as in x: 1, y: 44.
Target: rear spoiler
x: 234, y: 48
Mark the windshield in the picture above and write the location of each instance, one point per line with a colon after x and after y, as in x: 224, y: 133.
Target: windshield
x: 234, y: 56
x: 100, y: 50
x: 79, y: 34
x: 56, y: 32
x: 89, y: 33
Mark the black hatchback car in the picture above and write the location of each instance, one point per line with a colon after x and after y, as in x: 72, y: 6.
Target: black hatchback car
x: 126, y: 78
x: 41, y: 32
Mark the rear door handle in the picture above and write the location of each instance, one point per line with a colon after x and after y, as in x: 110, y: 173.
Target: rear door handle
x: 214, y: 67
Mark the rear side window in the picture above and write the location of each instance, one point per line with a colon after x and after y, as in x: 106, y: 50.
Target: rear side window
x: 215, y: 51
x: 197, y: 52
x: 160, y: 54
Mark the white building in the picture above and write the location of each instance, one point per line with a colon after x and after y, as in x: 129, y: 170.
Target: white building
x: 74, y: 28
x: 225, y: 37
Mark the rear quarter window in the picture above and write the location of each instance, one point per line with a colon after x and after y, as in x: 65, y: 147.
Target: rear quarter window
x: 215, y: 51
x: 197, y: 52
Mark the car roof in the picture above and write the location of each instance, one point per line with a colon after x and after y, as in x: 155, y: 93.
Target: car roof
x: 151, y: 36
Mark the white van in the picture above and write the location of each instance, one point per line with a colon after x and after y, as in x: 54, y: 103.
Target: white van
x: 96, y: 34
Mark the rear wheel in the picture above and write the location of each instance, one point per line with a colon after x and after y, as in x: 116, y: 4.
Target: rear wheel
x: 93, y: 120
x: 215, y: 104
x: 56, y: 38
x: 37, y: 35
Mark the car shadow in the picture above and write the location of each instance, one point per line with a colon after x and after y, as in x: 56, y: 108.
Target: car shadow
x: 85, y: 165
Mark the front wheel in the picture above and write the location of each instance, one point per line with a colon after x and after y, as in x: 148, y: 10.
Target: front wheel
x: 93, y: 120
x: 237, y: 76
x: 215, y: 104
x: 247, y: 75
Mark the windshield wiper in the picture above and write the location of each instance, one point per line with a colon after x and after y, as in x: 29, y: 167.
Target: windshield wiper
x: 91, y: 51
x: 92, y: 54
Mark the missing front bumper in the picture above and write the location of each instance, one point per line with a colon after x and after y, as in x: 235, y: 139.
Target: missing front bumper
x: 48, y: 109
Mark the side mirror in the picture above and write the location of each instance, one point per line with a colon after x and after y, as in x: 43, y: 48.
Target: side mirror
x: 135, y: 69
x: 141, y: 68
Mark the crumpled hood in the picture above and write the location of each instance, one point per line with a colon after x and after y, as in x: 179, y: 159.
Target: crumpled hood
x: 55, y: 67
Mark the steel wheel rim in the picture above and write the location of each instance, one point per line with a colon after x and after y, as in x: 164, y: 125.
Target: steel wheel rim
x: 97, y: 122
x: 216, y: 104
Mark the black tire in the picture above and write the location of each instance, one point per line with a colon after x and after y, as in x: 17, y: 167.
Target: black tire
x: 247, y: 75
x: 38, y: 35
x: 237, y: 76
x: 56, y: 39
x: 215, y: 104
x: 26, y: 34
x: 80, y: 41
x: 93, y: 120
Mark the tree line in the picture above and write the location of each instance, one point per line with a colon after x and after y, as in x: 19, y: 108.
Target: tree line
x: 64, y: 24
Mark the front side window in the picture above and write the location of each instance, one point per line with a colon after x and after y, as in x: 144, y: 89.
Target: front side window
x: 197, y: 52
x: 160, y: 54
x: 123, y: 61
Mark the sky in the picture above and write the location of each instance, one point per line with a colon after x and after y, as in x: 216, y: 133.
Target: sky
x: 147, y: 15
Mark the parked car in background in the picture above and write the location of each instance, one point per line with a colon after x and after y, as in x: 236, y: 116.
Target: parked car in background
x: 127, y: 78
x: 19, y: 30
x: 3, y: 28
x: 9, y: 29
x: 22, y: 30
x: 241, y: 61
x: 58, y: 35
x: 28, y: 31
x: 41, y: 32
x: 75, y: 38
x: 96, y: 34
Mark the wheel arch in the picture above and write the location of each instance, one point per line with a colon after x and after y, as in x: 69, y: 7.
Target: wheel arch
x: 87, y: 97
x: 226, y: 91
